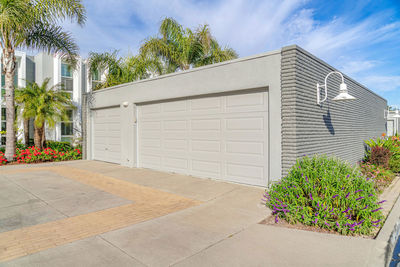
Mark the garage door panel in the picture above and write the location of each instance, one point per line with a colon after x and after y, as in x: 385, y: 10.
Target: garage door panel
x: 150, y: 125
x: 175, y: 125
x: 206, y: 135
x: 150, y: 160
x: 206, y: 124
x: 150, y: 142
x: 176, y: 163
x: 222, y: 137
x: 244, y: 135
x: 239, y: 124
x: 176, y: 144
x: 206, y: 145
x: 204, y: 167
x: 151, y: 110
x: 175, y: 107
x: 151, y: 134
x: 244, y: 170
x: 245, y: 147
x: 169, y: 135
x: 209, y: 105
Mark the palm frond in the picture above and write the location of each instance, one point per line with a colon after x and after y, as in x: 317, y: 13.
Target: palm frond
x: 52, y: 39
x: 57, y: 10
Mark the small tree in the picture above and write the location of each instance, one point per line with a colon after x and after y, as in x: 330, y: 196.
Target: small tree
x: 44, y: 105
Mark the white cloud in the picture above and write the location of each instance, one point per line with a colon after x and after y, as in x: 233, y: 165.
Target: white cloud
x: 382, y: 83
x: 357, y: 66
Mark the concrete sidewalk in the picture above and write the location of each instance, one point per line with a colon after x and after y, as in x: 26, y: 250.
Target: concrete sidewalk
x: 222, y: 230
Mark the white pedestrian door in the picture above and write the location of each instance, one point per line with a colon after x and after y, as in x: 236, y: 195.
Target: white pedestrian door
x: 107, y: 134
x: 223, y: 137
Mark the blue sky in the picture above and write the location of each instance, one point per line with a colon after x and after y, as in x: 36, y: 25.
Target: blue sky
x: 360, y: 38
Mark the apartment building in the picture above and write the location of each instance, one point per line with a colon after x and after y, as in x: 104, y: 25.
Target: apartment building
x: 75, y: 81
x: 25, y: 72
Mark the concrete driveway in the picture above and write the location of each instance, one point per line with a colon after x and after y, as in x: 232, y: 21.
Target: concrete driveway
x: 89, y: 213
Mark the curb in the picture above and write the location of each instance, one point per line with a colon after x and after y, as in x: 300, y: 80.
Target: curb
x: 388, y: 236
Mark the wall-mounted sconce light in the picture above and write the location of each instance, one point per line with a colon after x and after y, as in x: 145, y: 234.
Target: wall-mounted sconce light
x: 343, y: 92
x: 125, y: 104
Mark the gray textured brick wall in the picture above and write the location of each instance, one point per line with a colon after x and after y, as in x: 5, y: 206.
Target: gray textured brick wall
x: 335, y: 128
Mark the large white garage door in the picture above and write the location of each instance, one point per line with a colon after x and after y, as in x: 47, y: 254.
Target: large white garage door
x: 107, y: 134
x: 223, y: 137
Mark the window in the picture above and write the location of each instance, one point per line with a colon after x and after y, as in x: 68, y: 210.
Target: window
x: 3, y: 114
x: 95, y: 79
x: 67, y: 128
x: 66, y: 70
x: 67, y: 81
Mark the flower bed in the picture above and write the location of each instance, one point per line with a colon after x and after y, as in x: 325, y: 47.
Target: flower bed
x: 382, y: 160
x: 326, y: 193
x: 35, y: 155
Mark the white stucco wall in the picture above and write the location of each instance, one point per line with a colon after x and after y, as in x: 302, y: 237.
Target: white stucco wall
x: 260, y: 71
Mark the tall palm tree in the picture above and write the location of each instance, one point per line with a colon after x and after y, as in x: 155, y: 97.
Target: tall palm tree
x: 44, y: 105
x: 122, y: 69
x: 182, y: 49
x: 33, y: 24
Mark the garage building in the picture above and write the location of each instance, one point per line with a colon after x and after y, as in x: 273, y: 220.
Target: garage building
x: 245, y: 120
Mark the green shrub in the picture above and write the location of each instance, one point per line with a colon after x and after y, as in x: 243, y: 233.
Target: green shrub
x: 394, y: 164
x: 20, y: 145
x: 3, y: 149
x: 60, y: 146
x: 327, y: 193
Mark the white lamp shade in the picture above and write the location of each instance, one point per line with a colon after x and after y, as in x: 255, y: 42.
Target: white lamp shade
x: 343, y: 94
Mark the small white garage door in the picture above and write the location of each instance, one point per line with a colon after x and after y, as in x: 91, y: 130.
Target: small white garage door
x: 107, y: 134
x: 223, y: 137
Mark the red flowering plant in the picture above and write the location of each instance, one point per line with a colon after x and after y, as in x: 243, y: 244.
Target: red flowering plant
x: 3, y: 159
x: 35, y: 155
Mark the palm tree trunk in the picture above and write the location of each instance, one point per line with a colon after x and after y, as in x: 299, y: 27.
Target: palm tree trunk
x: 9, y: 70
x: 37, y: 138
x: 43, y: 141
x: 26, y: 131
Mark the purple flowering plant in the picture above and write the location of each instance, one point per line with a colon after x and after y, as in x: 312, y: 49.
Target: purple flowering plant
x: 328, y: 193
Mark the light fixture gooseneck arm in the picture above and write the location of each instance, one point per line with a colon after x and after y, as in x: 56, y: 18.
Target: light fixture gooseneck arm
x: 319, y: 101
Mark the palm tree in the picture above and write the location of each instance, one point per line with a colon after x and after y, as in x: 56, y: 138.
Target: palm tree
x: 211, y: 51
x: 44, y: 105
x: 122, y: 69
x: 33, y: 24
x: 182, y: 49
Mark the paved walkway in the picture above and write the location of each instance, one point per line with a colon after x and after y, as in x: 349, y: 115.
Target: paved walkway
x: 48, y: 211
x: 88, y: 213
